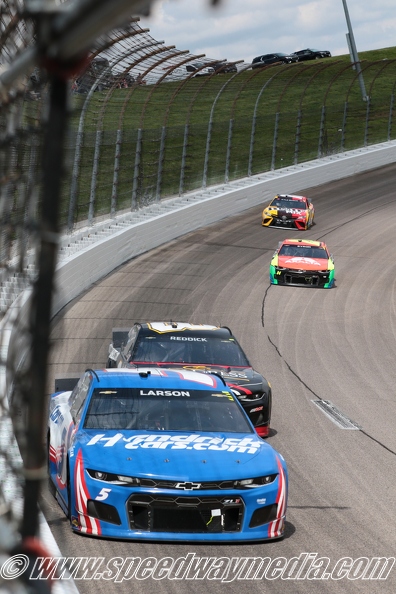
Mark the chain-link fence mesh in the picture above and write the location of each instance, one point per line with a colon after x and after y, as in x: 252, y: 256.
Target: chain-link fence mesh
x: 146, y: 142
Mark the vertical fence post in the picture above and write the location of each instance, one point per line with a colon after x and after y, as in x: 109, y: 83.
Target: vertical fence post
x: 74, y: 179
x: 40, y: 320
x: 138, y: 156
x: 228, y: 153
x: 160, y: 164
x: 366, y: 129
x: 183, y: 161
x: 94, y: 178
x: 10, y: 167
x: 30, y: 191
x: 251, y: 146
x: 321, y: 131
x: 297, y: 141
x: 207, y: 151
x: 273, y: 159
x: 392, y: 101
x: 114, y: 191
x: 344, y: 123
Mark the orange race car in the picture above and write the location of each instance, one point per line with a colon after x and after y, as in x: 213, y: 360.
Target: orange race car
x: 302, y: 262
x: 289, y: 211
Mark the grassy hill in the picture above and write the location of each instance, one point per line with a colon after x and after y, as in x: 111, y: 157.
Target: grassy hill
x: 144, y: 143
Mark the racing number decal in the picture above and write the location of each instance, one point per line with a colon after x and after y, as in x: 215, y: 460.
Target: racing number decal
x: 104, y: 493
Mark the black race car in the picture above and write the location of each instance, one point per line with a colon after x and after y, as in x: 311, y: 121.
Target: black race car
x: 210, y: 349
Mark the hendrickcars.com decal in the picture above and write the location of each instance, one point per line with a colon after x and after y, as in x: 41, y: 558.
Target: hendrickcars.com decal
x: 179, y: 442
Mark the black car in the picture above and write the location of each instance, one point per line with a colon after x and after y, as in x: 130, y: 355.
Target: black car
x: 224, y: 67
x: 272, y: 59
x: 205, y: 348
x: 311, y: 54
x: 200, y: 68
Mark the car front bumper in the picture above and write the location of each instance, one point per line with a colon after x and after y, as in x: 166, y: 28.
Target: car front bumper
x: 298, y: 278
x: 286, y: 222
x: 169, y: 515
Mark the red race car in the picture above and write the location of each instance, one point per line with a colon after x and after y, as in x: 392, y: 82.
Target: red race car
x: 289, y: 211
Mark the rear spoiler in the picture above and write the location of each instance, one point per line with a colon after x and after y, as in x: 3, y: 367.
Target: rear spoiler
x: 120, y: 337
x: 66, y: 382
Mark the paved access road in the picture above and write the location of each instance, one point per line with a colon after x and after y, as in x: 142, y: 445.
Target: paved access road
x: 337, y: 345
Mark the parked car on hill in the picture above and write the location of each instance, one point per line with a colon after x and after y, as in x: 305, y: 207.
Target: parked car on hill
x: 272, y: 59
x: 311, y: 54
x: 200, y: 69
x: 224, y: 67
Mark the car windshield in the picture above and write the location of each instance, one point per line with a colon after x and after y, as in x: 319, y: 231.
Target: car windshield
x: 288, y: 203
x: 158, y: 409
x: 193, y: 349
x: 303, y: 251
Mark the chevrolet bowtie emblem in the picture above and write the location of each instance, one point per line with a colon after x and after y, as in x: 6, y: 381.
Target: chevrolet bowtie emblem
x: 188, y: 486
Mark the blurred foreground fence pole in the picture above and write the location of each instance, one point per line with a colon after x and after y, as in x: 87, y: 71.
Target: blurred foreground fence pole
x: 48, y: 232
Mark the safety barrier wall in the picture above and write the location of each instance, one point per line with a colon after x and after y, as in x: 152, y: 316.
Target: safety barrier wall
x: 195, y: 211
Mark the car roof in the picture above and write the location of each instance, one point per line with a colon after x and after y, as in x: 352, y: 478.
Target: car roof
x: 306, y: 242
x: 293, y: 196
x: 146, y: 377
x: 310, y: 49
x: 185, y: 327
x: 271, y: 54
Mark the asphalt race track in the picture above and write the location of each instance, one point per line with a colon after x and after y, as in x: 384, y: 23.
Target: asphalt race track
x: 334, y: 345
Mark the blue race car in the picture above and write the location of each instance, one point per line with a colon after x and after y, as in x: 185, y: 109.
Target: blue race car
x: 158, y: 454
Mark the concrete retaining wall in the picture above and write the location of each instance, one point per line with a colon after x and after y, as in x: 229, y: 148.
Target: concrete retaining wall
x: 179, y: 216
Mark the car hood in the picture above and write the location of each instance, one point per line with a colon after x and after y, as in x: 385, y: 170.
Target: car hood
x: 180, y: 455
x: 285, y: 209
x: 300, y: 263
x: 239, y: 376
